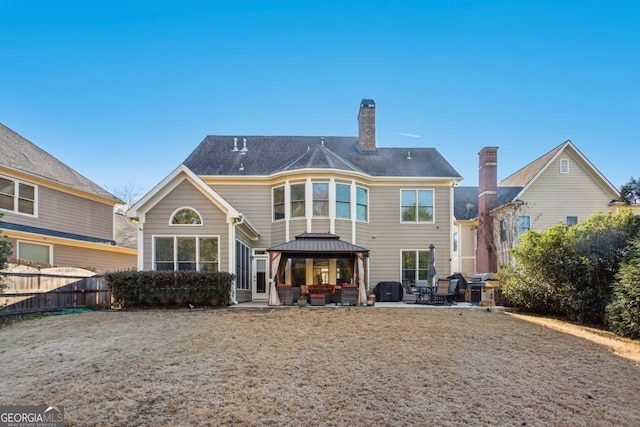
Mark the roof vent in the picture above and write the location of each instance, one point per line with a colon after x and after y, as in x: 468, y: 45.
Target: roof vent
x: 322, y: 140
x: 241, y: 168
x: 409, y: 155
x: 235, y: 144
x: 244, y: 149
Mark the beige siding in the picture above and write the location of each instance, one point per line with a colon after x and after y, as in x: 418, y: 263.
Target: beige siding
x: 186, y: 195
x: 344, y: 230
x: 554, y: 196
x: 464, y: 260
x: 320, y: 226
x: 278, y: 234
x: 68, y: 213
x: 254, y: 202
x: 388, y: 237
x: 93, y: 259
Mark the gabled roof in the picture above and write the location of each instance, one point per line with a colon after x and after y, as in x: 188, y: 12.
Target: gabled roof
x: 513, y: 187
x: 180, y: 174
x: 20, y: 155
x: 267, y: 155
x: 465, y: 200
x: 526, y: 176
x: 318, y: 244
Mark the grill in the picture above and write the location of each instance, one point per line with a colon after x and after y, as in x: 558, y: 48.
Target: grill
x: 475, y: 286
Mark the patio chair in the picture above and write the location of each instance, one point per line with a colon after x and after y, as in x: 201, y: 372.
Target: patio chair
x: 285, y: 293
x: 349, y: 294
x: 444, y: 293
x: 409, y: 296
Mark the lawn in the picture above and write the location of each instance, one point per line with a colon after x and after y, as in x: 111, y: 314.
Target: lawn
x: 316, y: 366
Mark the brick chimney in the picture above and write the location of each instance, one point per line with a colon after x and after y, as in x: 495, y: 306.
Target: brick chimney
x: 486, y: 260
x: 367, y: 126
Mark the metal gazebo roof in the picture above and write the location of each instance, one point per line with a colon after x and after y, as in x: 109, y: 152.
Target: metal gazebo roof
x: 316, y: 245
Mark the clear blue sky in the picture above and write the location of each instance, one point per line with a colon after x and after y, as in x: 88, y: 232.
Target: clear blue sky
x: 123, y: 91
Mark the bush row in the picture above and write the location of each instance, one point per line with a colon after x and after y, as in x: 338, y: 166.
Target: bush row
x: 169, y: 288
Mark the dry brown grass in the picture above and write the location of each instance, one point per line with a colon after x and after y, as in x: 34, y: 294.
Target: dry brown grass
x: 315, y: 366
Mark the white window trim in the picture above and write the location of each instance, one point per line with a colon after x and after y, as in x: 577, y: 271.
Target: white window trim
x: 186, y: 225
x: 273, y: 202
x: 16, y: 198
x: 564, y: 166
x: 433, y: 207
x: 335, y: 200
x: 355, y: 203
x: 18, y: 242
x: 313, y: 200
x: 288, y: 200
x: 175, y: 248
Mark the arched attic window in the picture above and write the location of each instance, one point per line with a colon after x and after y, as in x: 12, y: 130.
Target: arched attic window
x: 185, y: 216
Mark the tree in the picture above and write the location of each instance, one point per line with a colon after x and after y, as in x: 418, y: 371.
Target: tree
x: 5, y: 252
x: 571, y: 270
x: 623, y: 312
x: 630, y: 192
x: 128, y: 193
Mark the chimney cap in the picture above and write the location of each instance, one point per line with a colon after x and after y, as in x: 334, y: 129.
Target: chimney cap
x: 367, y: 103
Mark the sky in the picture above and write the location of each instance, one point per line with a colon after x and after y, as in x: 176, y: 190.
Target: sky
x: 124, y: 91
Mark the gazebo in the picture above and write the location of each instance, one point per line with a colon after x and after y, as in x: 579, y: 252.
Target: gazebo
x: 317, y: 245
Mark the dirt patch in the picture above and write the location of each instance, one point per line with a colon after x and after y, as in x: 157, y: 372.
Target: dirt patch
x: 314, y: 366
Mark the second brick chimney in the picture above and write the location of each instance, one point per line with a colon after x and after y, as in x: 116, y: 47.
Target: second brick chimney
x: 486, y: 260
x: 367, y: 126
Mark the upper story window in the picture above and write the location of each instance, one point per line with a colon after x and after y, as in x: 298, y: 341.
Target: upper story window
x: 564, y: 165
x: 343, y: 201
x: 278, y: 203
x: 17, y: 196
x: 524, y: 224
x: 320, y: 199
x: 297, y: 200
x: 186, y: 216
x: 417, y: 205
x: 362, y: 204
x: 503, y: 230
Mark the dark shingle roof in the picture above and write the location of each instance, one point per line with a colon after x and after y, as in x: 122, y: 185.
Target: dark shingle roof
x: 19, y: 154
x: 318, y: 243
x: 267, y: 155
x: 54, y: 233
x: 465, y: 200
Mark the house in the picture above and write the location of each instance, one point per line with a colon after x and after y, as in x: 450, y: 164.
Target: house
x: 52, y: 215
x: 236, y: 201
x: 560, y: 186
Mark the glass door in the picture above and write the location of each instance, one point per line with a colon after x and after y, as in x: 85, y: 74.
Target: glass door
x: 260, y: 278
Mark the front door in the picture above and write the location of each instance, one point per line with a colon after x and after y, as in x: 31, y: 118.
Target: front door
x: 260, y: 279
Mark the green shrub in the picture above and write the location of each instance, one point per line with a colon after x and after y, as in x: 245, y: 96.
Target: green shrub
x: 161, y: 288
x: 623, y: 312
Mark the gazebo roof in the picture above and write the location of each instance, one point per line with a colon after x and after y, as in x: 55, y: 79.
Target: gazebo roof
x: 318, y: 244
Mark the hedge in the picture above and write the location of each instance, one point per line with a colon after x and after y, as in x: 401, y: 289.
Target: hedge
x: 169, y: 288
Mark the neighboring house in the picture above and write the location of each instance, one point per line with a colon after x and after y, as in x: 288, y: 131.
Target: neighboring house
x: 234, y: 198
x: 562, y: 186
x: 52, y: 215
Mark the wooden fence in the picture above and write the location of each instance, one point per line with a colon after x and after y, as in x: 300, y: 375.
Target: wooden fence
x: 33, y: 292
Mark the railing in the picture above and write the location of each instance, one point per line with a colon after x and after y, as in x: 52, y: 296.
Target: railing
x: 34, y: 292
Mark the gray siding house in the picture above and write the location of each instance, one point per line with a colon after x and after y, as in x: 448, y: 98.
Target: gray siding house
x: 235, y: 197
x: 52, y: 215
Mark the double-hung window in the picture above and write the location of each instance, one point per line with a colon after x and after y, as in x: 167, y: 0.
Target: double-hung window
x: 320, y: 199
x: 17, y: 196
x: 343, y: 201
x: 278, y: 203
x: 417, y: 205
x: 524, y: 224
x: 297, y: 200
x: 415, y: 266
x: 362, y: 203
